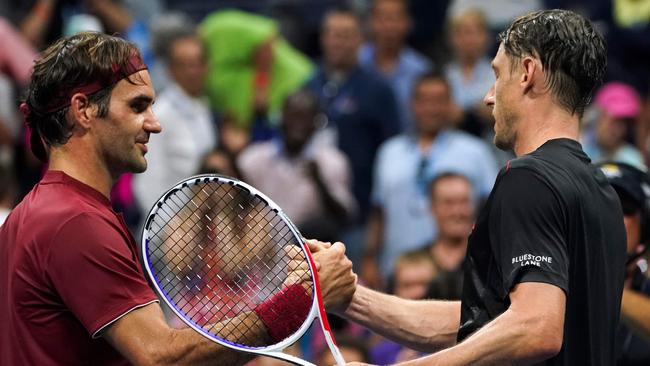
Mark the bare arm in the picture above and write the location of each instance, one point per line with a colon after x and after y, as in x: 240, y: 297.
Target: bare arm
x: 530, y: 331
x: 634, y: 312
x: 144, y: 338
x: 423, y: 325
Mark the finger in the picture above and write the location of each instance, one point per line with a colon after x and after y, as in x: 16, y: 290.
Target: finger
x: 339, y: 246
x: 316, y: 245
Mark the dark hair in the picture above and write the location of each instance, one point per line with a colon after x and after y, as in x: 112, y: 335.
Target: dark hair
x: 570, y: 49
x: 303, y: 98
x: 445, y: 175
x: 342, y: 10
x: 404, y: 3
x: 72, y: 62
x: 430, y: 76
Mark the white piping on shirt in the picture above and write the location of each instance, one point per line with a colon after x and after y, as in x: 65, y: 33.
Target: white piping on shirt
x: 97, y: 333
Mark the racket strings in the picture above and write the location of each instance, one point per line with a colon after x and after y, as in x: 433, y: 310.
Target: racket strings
x: 218, y: 252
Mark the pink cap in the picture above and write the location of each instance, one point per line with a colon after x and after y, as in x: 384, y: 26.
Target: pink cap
x: 619, y: 100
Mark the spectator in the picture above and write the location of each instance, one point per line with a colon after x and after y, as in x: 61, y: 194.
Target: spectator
x: 400, y: 220
x: 499, y: 13
x: 469, y: 72
x: 413, y: 273
x: 618, y: 106
x: 453, y: 209
x: 633, y: 188
x: 389, y: 55
x: 188, y: 128
x: 360, y: 106
x: 251, y: 68
x: 320, y: 200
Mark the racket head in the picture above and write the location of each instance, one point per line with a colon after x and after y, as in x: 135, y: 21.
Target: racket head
x: 192, y: 226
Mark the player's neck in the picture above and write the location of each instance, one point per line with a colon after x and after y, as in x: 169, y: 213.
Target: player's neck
x: 82, y: 167
x: 542, y: 125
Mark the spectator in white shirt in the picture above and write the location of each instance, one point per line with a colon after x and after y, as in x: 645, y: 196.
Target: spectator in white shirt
x: 189, y: 131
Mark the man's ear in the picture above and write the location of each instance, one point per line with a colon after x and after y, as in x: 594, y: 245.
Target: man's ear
x: 531, y: 73
x: 82, y: 111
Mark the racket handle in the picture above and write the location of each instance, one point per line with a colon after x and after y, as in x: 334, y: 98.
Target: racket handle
x: 334, y: 349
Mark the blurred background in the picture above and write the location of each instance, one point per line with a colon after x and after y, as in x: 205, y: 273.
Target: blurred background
x: 363, y: 119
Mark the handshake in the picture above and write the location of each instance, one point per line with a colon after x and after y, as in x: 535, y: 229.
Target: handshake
x: 337, y: 280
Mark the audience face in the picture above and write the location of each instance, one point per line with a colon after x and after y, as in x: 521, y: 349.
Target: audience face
x: 469, y: 36
x: 187, y: 65
x: 431, y: 106
x: 452, y: 206
x: 412, y: 279
x: 610, y: 131
x: 340, y: 40
x: 298, y: 123
x: 390, y: 23
x: 632, y: 221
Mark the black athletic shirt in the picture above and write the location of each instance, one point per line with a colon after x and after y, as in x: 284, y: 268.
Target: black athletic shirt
x: 552, y: 217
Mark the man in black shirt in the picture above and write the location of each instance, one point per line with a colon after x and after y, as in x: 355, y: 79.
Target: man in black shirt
x: 545, y: 262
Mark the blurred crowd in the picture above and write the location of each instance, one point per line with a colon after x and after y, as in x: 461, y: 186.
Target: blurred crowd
x: 364, y: 120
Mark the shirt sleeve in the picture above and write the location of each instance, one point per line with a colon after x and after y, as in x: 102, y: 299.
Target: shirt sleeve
x: 95, y: 272
x: 527, y: 231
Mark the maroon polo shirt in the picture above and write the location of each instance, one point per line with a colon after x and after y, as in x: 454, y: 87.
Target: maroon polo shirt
x: 68, y: 269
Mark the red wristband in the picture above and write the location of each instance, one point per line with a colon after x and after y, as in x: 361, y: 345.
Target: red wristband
x: 285, y: 312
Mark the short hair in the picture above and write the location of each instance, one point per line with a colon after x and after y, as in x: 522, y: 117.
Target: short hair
x: 303, y: 98
x: 471, y: 13
x: 430, y: 76
x: 404, y: 3
x: 68, y: 63
x: 572, y: 53
x: 169, y: 29
x: 342, y: 10
x: 415, y: 256
x: 446, y: 175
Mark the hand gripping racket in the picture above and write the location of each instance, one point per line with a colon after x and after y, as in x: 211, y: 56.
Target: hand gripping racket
x: 222, y: 256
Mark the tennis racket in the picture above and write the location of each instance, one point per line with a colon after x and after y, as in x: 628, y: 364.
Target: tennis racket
x: 224, y: 257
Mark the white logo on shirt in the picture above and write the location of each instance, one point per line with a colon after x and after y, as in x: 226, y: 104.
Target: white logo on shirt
x: 531, y: 260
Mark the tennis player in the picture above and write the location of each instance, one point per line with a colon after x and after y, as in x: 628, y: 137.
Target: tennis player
x: 546, y: 259
x: 71, y: 289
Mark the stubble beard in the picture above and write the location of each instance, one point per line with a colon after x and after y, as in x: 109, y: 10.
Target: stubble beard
x: 505, y: 138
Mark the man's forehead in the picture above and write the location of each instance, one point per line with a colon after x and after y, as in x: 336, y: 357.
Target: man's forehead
x: 137, y: 84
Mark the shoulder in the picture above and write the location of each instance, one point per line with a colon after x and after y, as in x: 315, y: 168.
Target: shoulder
x: 416, y: 60
x: 396, y: 145
x: 468, y: 142
x: 257, y: 152
x: 86, y: 233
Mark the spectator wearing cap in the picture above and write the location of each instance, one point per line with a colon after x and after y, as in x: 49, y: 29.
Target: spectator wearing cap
x: 618, y: 106
x: 632, y: 186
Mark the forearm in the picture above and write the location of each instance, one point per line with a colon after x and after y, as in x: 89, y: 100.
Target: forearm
x: 427, y: 326
x: 504, y: 341
x: 144, y: 338
x: 191, y: 348
x: 635, y: 314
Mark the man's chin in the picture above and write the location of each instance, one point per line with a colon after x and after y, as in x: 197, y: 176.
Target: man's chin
x: 502, y: 143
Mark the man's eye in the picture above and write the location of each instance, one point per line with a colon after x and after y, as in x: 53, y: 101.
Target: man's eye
x: 139, y: 107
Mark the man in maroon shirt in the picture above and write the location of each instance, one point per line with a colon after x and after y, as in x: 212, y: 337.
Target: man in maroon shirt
x: 71, y: 289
